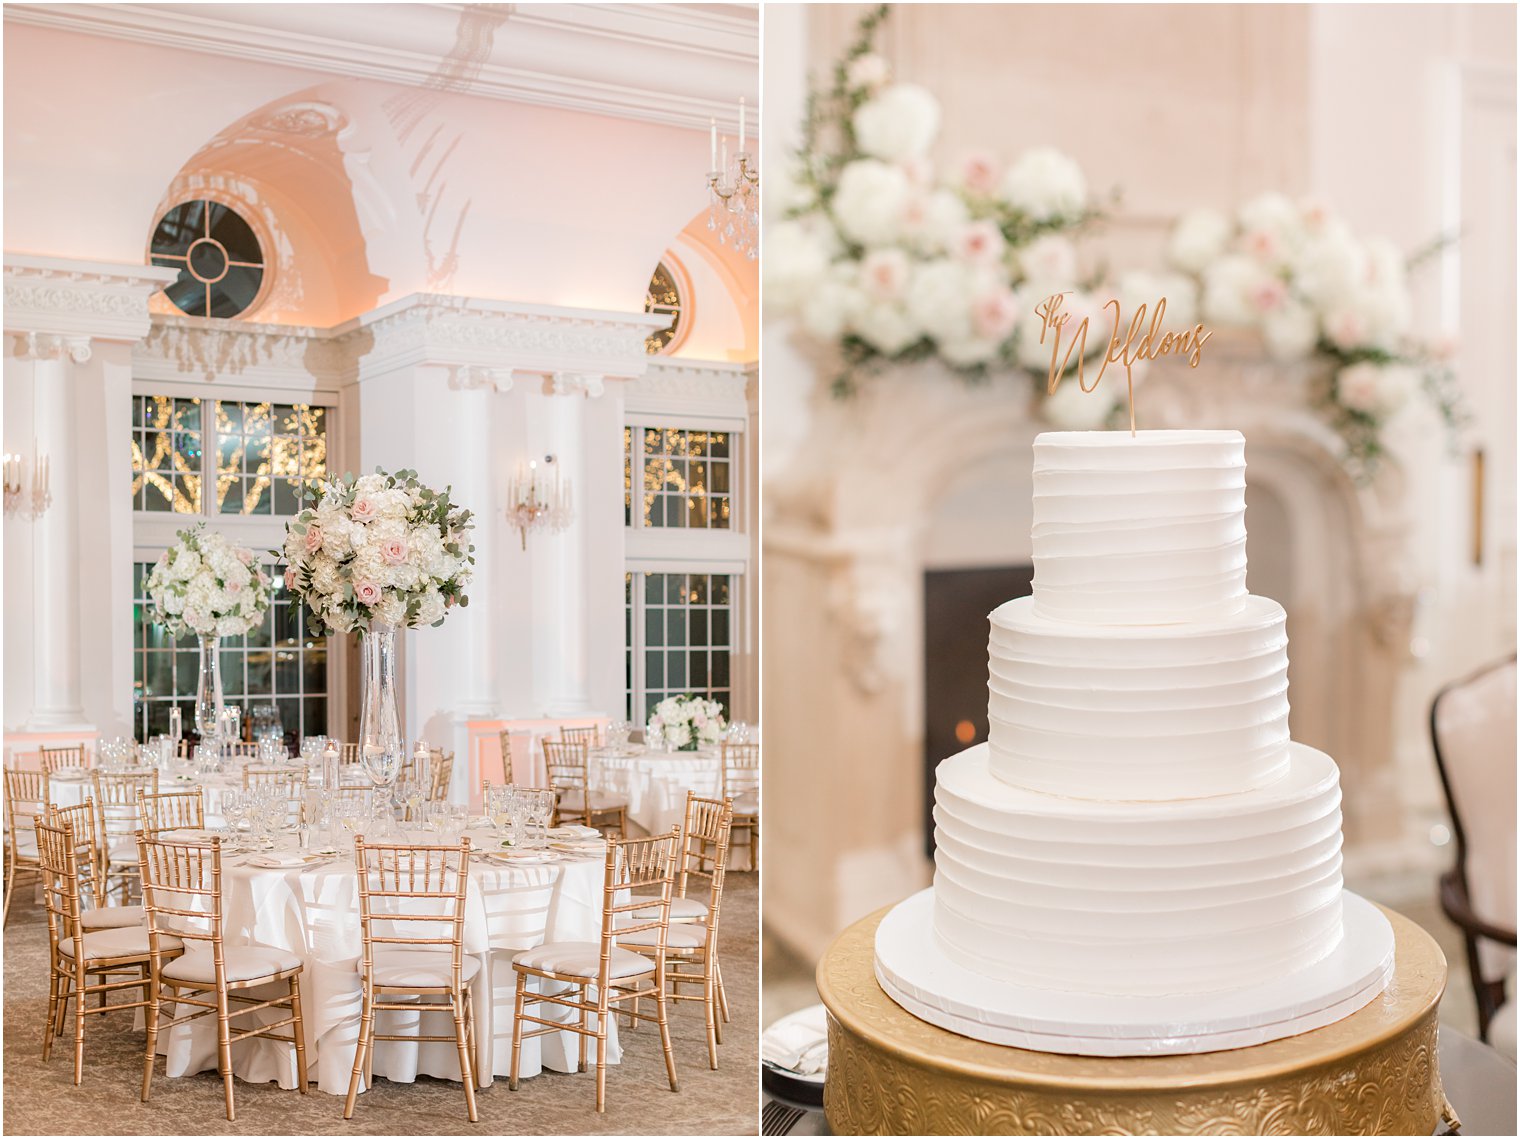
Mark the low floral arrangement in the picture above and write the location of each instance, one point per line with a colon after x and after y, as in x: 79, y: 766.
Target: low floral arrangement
x: 207, y: 586
x: 381, y: 549
x: 878, y: 254
x: 1296, y: 273
x: 686, y: 722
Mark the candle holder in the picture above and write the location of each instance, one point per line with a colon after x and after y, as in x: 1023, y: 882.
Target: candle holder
x: 734, y: 193
x: 539, y: 500
x: 18, y: 501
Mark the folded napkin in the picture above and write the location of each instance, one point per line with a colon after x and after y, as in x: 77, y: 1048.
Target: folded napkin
x: 284, y: 860
x: 188, y: 834
x: 574, y: 831
x: 798, y: 1042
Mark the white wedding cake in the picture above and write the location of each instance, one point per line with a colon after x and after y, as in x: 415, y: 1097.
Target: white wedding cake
x: 1139, y: 859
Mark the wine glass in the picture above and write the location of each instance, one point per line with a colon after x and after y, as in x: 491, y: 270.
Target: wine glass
x: 540, y: 807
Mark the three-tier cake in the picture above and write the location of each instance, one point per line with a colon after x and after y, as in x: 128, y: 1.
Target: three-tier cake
x: 1139, y: 860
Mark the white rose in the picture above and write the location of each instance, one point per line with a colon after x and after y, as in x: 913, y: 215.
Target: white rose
x: 1200, y: 237
x: 1329, y: 266
x: 369, y: 484
x: 939, y: 299
x: 979, y: 243
x: 1050, y: 261
x: 866, y: 72
x: 1271, y: 225
x: 1397, y: 384
x: 886, y: 327
x: 1291, y: 332
x: 884, y: 274
x: 931, y: 222
x: 1374, y: 318
x: 869, y: 201
x: 1357, y: 387
x: 1045, y: 184
x: 1071, y: 409
x: 1230, y: 286
x: 897, y: 124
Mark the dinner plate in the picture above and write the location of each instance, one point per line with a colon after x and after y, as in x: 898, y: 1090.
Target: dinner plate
x: 522, y: 857
x: 270, y: 861
x: 190, y: 834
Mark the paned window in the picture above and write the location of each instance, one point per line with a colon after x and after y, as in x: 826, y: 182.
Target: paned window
x: 221, y: 267
x: 280, y: 662
x: 680, y: 637
x: 663, y: 296
x: 677, y: 477
x: 264, y: 455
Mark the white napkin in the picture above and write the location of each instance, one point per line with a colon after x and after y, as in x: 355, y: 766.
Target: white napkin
x: 282, y: 860
x: 793, y: 1044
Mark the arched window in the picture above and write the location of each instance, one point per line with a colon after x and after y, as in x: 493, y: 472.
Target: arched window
x: 220, y: 263
x: 663, y: 296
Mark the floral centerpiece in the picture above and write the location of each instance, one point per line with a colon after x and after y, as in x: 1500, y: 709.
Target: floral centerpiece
x: 207, y: 586
x: 376, y: 554
x: 879, y: 254
x: 1296, y: 273
x: 687, y: 722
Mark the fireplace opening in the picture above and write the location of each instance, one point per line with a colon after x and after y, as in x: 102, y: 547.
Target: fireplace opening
x: 956, y: 605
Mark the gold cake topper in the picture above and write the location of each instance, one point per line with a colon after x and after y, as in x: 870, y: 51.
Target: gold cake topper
x: 1135, y: 346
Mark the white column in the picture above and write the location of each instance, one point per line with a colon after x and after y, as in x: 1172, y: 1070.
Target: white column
x: 56, y: 701
x: 475, y: 488
x: 563, y: 580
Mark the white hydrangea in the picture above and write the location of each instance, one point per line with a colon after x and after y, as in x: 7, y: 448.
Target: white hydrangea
x: 939, y: 299
x: 899, y: 123
x: 1049, y: 262
x: 1378, y: 390
x: 1291, y: 332
x: 206, y: 586
x: 835, y: 303
x: 1045, y: 184
x: 1199, y: 238
x: 869, y: 202
x: 931, y: 221
x: 886, y: 327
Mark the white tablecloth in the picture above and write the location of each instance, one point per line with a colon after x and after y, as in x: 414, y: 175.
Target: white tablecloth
x: 68, y: 792
x: 315, y: 913
x: 655, y: 783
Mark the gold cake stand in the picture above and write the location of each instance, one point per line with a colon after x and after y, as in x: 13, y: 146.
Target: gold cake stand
x: 1372, y: 1073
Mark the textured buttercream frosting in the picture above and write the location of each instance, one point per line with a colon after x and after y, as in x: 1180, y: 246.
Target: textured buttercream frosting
x: 1131, y: 712
x: 1196, y: 895
x: 1139, y: 530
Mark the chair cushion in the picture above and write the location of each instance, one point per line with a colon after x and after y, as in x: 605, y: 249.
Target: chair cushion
x: 113, y: 917
x: 122, y: 850
x: 747, y: 804
x: 127, y: 941
x: 681, y: 910
x: 676, y: 937
x: 583, y: 959
x: 1501, y: 1030
x: 420, y: 968
x: 26, y: 841
x: 241, y: 962
x: 600, y: 801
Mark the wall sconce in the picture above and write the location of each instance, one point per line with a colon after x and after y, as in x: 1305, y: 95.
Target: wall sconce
x: 17, y: 501
x: 538, y: 499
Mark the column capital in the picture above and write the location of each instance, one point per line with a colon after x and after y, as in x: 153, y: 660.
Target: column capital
x: 587, y: 384
x: 56, y: 305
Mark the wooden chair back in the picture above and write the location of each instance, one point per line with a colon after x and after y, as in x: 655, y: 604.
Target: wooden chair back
x: 52, y: 759
x: 741, y: 770
x: 508, y: 775
x: 413, y: 897
x: 89, y: 859
x: 705, y: 832
x: 56, y: 852
x: 633, y: 865
x: 591, y: 737
x: 116, y: 800
x: 159, y: 811
x: 442, y: 774
x: 182, y: 893
x: 26, y: 795
x: 292, y: 780
x: 566, y: 764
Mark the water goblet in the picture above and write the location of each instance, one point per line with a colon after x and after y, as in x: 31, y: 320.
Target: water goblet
x: 540, y: 807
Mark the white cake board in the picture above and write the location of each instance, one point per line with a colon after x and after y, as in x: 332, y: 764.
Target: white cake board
x: 914, y: 972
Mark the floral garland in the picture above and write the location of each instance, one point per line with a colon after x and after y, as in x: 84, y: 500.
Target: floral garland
x: 1297, y: 274
x: 877, y: 255
x: 380, y: 549
x: 207, y: 586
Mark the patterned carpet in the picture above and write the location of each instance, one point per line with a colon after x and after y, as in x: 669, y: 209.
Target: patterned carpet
x: 41, y: 1099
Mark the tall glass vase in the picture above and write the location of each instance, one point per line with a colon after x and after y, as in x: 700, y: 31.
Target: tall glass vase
x: 382, y: 747
x: 208, y: 689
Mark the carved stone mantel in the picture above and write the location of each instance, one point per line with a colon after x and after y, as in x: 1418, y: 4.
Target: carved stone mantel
x: 845, y: 552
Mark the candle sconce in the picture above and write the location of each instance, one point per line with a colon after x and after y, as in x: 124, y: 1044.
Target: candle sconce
x: 20, y: 501
x: 538, y: 499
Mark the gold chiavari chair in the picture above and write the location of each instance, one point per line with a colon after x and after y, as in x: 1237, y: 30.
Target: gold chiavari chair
x: 182, y: 892
x: 83, y: 963
x: 591, y: 737
x: 242, y: 750
x: 26, y: 795
x: 116, y: 810
x: 171, y: 811
x: 691, y: 948
x: 411, y: 910
x: 291, y: 779
x: 82, y: 820
x: 508, y: 772
x: 351, y: 771
x: 741, y: 783
x: 568, y: 775
x: 53, y: 759
x: 600, y: 974
x: 442, y: 773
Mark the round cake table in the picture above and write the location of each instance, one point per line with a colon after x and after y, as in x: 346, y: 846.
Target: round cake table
x: 1372, y: 1073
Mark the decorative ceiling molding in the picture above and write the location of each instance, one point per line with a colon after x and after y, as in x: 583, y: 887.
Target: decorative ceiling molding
x: 673, y: 386
x: 74, y: 300
x: 207, y: 349
x: 673, y: 64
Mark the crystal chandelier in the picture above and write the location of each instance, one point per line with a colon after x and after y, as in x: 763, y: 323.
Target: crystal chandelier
x: 17, y: 500
x: 538, y: 501
x: 733, y: 193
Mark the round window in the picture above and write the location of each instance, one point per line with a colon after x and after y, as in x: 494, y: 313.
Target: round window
x: 663, y: 296
x: 221, y: 266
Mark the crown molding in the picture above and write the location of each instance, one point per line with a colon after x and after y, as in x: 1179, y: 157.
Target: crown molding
x: 675, y: 387
x: 672, y: 64
x: 49, y: 299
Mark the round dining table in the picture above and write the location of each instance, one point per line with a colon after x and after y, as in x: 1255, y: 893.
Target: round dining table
x: 70, y: 786
x: 654, y: 783
x: 514, y: 902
